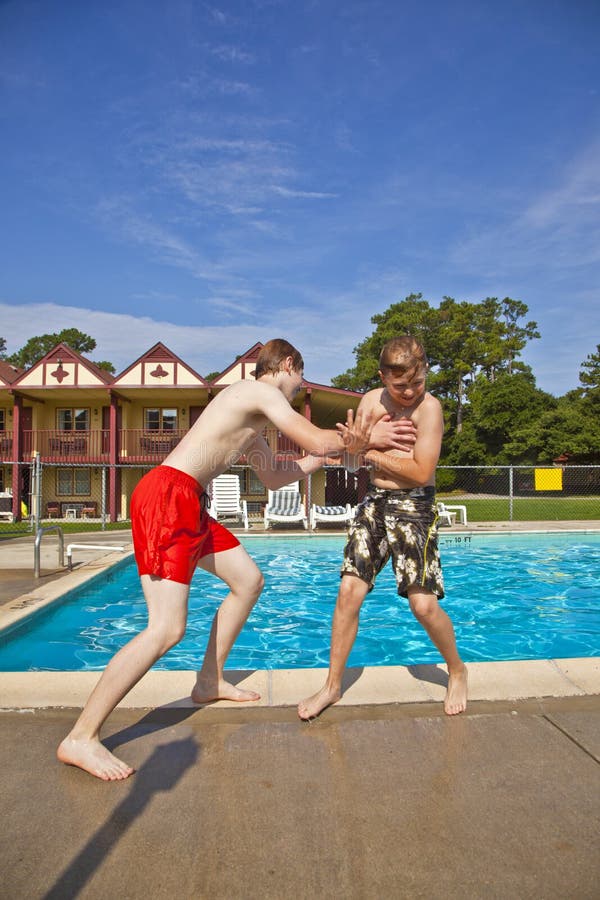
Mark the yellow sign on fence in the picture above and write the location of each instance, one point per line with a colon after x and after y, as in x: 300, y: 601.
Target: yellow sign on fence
x: 548, y: 480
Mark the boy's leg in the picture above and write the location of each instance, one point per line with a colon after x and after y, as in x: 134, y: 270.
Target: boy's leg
x: 167, y: 614
x: 245, y: 582
x: 351, y: 594
x: 427, y: 610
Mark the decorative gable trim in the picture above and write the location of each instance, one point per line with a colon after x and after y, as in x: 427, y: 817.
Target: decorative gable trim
x: 240, y: 370
x: 63, y: 367
x: 159, y: 367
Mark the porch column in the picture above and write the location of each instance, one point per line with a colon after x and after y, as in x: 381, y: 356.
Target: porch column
x: 17, y: 456
x: 308, y: 482
x: 308, y: 404
x: 113, y: 457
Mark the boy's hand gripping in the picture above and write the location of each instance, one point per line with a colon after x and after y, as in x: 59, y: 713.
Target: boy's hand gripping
x: 356, y: 434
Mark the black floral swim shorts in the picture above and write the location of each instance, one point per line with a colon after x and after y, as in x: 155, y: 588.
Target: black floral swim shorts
x: 400, y: 524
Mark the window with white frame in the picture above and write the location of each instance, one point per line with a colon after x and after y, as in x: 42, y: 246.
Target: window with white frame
x: 158, y: 419
x: 73, y: 482
x: 73, y: 419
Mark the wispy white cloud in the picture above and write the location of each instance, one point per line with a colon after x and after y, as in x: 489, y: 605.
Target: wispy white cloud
x: 232, y: 54
x: 576, y: 200
x: 117, y: 217
x: 560, y: 227
x: 225, y: 86
x: 220, y: 17
x: 304, y: 195
x: 237, y: 146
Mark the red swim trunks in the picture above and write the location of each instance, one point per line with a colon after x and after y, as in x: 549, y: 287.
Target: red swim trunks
x: 170, y: 525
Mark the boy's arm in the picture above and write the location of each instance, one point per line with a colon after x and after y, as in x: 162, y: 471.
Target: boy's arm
x: 352, y: 436
x: 420, y: 468
x: 276, y: 473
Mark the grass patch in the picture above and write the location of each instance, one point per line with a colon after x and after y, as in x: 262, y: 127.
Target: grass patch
x: 527, y: 509
x: 70, y: 526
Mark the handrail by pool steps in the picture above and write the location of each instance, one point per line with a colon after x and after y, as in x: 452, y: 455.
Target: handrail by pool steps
x: 37, y: 544
x: 71, y: 547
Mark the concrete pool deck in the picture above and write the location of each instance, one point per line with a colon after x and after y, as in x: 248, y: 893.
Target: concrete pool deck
x: 382, y: 796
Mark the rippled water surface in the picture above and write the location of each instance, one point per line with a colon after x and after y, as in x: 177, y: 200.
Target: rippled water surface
x: 510, y: 597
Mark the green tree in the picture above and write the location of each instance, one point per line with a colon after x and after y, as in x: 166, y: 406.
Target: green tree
x: 412, y: 316
x: 2, y: 348
x: 455, y: 349
x: 570, y: 426
x: 515, y: 336
x: 105, y: 365
x: 503, y: 412
x: 38, y: 346
x: 463, y: 340
x: 589, y: 375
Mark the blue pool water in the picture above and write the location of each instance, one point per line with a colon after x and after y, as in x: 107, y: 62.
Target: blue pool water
x: 510, y: 597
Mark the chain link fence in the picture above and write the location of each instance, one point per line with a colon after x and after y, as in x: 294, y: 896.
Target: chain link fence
x: 23, y: 475
x: 89, y: 498
x: 522, y: 493
x: 491, y: 493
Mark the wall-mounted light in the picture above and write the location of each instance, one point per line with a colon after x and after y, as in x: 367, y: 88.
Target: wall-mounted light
x: 183, y: 412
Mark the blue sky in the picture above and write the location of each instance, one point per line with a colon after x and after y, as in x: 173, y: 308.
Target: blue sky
x: 215, y: 174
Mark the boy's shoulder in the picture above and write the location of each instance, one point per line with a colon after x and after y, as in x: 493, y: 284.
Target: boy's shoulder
x: 431, y: 400
x: 428, y: 404
x: 249, y: 386
x: 373, y: 396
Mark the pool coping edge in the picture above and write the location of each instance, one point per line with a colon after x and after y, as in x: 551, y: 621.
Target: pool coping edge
x: 372, y: 685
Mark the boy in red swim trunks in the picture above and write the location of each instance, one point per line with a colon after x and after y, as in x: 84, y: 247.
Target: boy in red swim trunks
x: 173, y: 533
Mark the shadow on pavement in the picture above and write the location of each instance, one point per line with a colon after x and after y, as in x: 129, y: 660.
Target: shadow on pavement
x: 161, y: 772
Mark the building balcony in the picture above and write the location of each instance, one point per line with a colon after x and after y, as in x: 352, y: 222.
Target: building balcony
x: 133, y: 445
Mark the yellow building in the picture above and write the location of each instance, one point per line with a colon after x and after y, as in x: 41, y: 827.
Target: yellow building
x: 96, y: 434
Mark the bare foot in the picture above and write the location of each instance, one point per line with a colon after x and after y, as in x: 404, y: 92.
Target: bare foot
x: 93, y: 757
x: 207, y: 691
x: 314, y: 706
x: 456, y: 695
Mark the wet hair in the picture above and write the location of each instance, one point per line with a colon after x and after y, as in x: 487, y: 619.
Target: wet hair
x: 273, y: 355
x: 404, y: 352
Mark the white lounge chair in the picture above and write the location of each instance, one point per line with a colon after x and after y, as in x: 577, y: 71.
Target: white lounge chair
x: 460, y: 510
x: 285, y: 505
x: 225, y: 502
x: 445, y: 517
x: 330, y: 514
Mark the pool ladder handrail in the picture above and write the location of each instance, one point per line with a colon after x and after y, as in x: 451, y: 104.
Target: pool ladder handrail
x: 71, y: 547
x: 44, y: 529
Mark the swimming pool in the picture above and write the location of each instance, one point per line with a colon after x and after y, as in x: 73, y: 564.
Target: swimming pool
x: 512, y: 596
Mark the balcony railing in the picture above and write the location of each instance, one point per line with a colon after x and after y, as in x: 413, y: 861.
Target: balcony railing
x: 140, y: 445
x: 133, y: 445
x: 6, y: 445
x: 54, y: 445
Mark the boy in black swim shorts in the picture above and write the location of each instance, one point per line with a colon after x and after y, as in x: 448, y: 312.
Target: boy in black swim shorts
x: 396, y: 519
x: 401, y: 525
